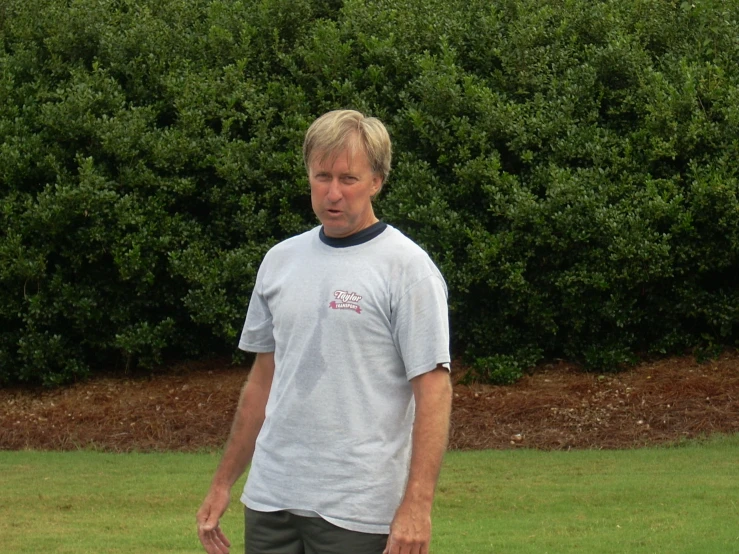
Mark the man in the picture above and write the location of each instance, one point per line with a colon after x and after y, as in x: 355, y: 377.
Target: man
x: 345, y: 414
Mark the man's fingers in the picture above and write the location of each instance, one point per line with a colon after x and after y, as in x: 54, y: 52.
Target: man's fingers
x: 214, y: 542
x: 207, y: 521
x: 202, y: 518
x: 389, y: 544
x: 210, y: 534
x: 205, y: 527
x: 404, y: 546
x: 394, y: 547
x: 222, y: 538
x: 220, y: 541
x: 207, y: 517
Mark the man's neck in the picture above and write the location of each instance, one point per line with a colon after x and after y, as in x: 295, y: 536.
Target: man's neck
x: 360, y: 237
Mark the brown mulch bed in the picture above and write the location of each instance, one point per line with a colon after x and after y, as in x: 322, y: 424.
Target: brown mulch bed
x: 558, y: 406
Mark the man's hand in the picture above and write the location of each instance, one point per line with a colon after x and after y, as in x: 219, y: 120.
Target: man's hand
x: 410, y: 531
x: 208, y: 516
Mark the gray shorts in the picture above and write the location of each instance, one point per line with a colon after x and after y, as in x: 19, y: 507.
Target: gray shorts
x: 286, y: 533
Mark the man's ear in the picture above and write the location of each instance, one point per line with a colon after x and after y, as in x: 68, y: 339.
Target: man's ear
x: 377, y: 182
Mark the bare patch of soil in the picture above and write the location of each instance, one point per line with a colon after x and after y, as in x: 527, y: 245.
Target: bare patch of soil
x: 557, y: 407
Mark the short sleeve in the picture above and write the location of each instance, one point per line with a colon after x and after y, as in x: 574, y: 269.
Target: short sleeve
x: 420, y: 325
x: 257, y: 335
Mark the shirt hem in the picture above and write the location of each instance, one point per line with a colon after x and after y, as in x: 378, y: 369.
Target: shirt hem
x: 259, y: 349
x: 374, y: 529
x: 420, y: 370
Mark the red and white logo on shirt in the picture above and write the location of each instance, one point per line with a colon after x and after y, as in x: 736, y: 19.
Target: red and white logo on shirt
x: 345, y: 300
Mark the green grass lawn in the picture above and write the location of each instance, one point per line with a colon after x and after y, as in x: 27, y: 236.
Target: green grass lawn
x: 664, y: 500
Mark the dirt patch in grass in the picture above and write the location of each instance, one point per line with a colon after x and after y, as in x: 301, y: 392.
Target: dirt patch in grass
x: 189, y: 408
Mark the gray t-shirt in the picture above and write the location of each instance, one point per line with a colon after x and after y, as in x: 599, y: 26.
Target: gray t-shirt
x: 349, y: 328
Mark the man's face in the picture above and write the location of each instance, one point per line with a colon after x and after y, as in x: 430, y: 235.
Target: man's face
x: 341, y: 190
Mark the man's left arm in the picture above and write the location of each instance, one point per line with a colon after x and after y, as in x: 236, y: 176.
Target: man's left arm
x: 410, y: 530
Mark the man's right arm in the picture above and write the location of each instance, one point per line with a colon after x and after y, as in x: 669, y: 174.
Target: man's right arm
x: 238, y: 453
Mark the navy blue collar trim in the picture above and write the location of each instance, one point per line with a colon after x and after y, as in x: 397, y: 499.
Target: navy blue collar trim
x: 360, y: 237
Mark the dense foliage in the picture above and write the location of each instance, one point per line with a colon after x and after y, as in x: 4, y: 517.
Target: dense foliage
x: 570, y: 165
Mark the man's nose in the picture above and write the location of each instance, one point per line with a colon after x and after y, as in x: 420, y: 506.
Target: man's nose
x: 334, y: 191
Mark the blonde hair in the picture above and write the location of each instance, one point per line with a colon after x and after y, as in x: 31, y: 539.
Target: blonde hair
x: 339, y: 129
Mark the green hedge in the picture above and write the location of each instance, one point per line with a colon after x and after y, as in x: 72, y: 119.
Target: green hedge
x: 570, y: 165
